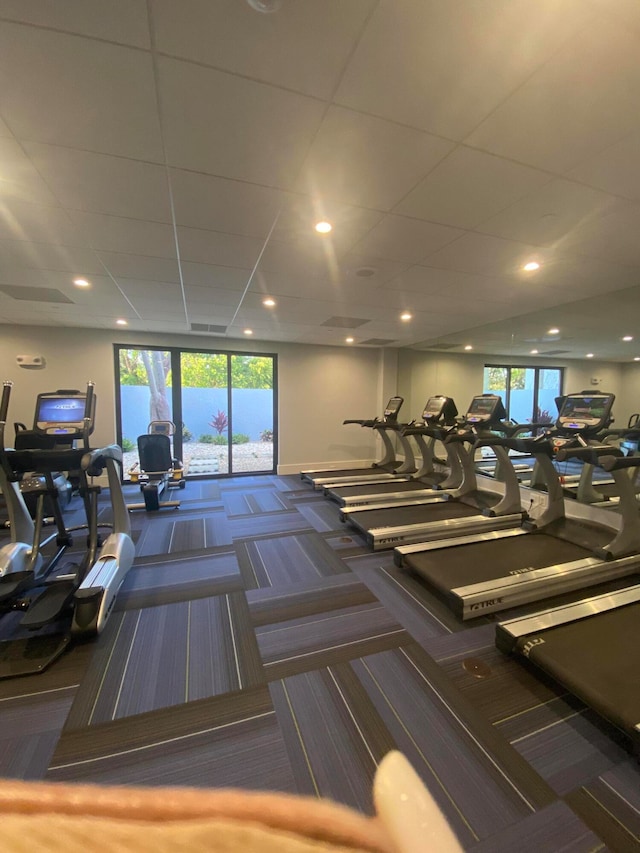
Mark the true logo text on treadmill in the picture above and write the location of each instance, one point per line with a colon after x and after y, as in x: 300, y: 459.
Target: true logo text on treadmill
x: 481, y: 605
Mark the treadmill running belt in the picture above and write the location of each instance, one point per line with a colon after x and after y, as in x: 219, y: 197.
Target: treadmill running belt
x: 401, y: 515
x: 382, y: 488
x: 598, y: 659
x: 462, y: 565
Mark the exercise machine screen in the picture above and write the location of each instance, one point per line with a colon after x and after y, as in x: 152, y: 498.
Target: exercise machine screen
x: 486, y: 408
x: 580, y: 410
x: 56, y: 413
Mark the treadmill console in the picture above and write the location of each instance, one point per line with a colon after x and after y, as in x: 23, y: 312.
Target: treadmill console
x: 485, y: 409
x: 439, y: 409
x: 392, y: 409
x: 585, y: 413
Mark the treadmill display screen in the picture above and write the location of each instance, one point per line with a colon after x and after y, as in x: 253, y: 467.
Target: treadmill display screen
x: 481, y: 409
x: 580, y: 411
x: 393, y: 407
x: 65, y: 413
x: 433, y: 407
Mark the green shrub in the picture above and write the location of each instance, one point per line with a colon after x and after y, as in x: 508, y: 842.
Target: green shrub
x: 207, y: 438
x: 266, y: 435
x: 127, y: 445
x: 187, y: 435
x: 240, y: 438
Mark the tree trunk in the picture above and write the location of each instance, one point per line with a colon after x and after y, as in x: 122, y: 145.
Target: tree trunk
x: 158, y: 403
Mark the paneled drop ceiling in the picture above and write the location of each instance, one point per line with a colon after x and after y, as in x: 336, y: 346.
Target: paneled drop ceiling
x: 177, y: 154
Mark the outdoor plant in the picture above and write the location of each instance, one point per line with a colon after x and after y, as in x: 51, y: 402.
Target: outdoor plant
x: 187, y: 435
x: 127, y: 445
x: 240, y: 438
x: 219, y: 422
x: 266, y: 435
x: 219, y: 439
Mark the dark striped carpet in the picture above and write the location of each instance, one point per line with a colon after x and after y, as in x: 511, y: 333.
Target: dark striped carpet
x: 257, y: 643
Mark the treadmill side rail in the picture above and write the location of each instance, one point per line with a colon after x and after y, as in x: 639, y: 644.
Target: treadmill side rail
x: 509, y: 632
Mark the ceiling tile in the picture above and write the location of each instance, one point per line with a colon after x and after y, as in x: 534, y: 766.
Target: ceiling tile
x: 23, y: 253
x: 585, y: 98
x: 18, y: 178
x: 547, y: 217
x: 102, y: 183
x: 613, y: 235
x: 468, y: 187
x: 164, y: 310
x: 65, y: 78
x: 140, y: 267
x: 267, y: 131
x: 615, y: 169
x: 409, y: 240
x: 368, y: 269
x: 300, y: 213
x: 304, y: 47
x: 443, y: 67
x: 213, y: 277
x: 217, y: 204
x: 20, y: 220
x: 362, y: 160
x: 123, y: 21
x: 478, y: 253
x: 4, y: 130
x: 213, y: 247
x: 117, y: 234
x: 137, y: 290
x: 226, y: 300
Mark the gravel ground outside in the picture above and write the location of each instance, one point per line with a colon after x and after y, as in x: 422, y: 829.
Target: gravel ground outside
x: 202, y: 458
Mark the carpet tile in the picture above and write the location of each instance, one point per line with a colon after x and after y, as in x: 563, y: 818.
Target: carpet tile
x: 258, y: 643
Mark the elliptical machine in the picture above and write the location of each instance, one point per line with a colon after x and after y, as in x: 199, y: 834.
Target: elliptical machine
x: 77, y: 602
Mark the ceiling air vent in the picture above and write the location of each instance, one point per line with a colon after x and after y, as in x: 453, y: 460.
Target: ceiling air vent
x: 206, y: 327
x: 345, y: 322
x: 378, y: 342
x: 35, y: 294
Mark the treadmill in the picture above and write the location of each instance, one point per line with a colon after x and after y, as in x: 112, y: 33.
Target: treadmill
x: 466, y: 509
x: 384, y: 469
x: 479, y: 575
x: 438, y: 416
x: 589, y: 646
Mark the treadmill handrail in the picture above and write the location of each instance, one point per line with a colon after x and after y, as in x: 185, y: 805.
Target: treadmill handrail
x: 615, y: 463
x: 591, y: 454
x: 534, y: 444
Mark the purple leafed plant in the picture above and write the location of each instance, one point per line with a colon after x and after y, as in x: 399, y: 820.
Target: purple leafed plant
x: 219, y: 422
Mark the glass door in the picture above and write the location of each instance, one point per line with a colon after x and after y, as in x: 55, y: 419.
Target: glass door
x: 204, y: 395
x: 145, y: 396
x: 252, y: 408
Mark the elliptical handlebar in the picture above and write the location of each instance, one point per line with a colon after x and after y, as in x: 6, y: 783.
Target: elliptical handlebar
x: 614, y: 463
x: 592, y: 454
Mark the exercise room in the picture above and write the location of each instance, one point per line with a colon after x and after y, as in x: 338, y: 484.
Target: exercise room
x: 320, y: 466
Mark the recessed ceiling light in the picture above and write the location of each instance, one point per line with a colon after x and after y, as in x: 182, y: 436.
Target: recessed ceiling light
x: 323, y: 227
x: 248, y: 331
x: 122, y: 322
x: 406, y: 316
x: 349, y: 340
x: 628, y: 338
x: 534, y: 352
x: 531, y: 266
x: 81, y: 282
x: 269, y: 302
x: 637, y: 358
x: 589, y: 355
x: 468, y: 347
x: 553, y: 332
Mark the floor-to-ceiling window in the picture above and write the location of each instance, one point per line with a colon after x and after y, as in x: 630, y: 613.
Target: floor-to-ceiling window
x: 528, y: 393
x: 223, y: 406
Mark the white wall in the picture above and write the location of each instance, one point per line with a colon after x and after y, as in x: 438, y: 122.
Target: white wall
x: 629, y: 393
x: 318, y: 386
